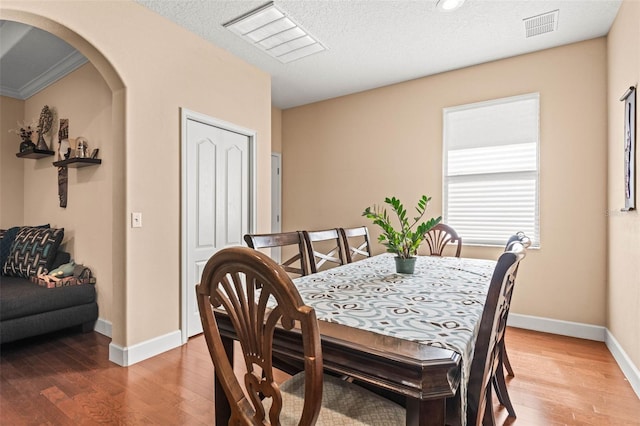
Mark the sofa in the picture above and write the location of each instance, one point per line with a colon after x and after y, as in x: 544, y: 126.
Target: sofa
x: 28, y: 309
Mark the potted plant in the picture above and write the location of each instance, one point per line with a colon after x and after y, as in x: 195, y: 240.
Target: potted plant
x: 406, y: 240
x: 25, y: 131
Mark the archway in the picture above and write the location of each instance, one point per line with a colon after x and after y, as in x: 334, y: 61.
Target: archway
x: 116, y: 323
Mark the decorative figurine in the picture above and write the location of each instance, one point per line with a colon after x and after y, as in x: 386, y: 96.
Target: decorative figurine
x: 65, y: 270
x: 64, y: 150
x: 44, y: 126
x: 82, y: 147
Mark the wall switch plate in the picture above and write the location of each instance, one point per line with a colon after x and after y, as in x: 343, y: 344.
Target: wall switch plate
x: 136, y: 220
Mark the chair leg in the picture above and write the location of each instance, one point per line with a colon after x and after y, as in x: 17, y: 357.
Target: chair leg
x: 500, y: 386
x: 505, y: 360
x: 494, y: 383
x: 488, y: 419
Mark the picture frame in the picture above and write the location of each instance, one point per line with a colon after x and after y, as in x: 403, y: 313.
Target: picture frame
x: 629, y: 98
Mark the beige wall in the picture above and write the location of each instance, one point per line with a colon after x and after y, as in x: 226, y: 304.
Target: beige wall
x: 344, y: 154
x: 624, y: 228
x: 153, y: 68
x: 84, y: 98
x: 11, y: 183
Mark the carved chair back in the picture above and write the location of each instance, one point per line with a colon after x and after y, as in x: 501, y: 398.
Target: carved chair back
x: 487, y: 350
x: 439, y: 237
x: 258, y: 296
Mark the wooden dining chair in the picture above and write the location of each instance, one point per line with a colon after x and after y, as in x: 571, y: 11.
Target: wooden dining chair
x: 322, y: 247
x: 258, y: 296
x: 487, y: 354
x: 439, y: 237
x: 521, y: 238
x: 356, y: 243
x: 499, y: 381
x: 297, y: 263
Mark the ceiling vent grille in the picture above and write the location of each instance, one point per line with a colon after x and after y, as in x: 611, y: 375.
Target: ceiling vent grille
x: 541, y: 24
x: 272, y: 31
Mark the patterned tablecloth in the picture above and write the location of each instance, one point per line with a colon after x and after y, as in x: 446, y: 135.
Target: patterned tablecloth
x: 440, y: 305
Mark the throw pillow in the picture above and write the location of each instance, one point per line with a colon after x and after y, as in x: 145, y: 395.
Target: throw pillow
x: 33, y: 251
x: 8, y: 235
x: 6, y: 241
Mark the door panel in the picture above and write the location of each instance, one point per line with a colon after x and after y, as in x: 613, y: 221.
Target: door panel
x: 236, y: 181
x: 205, y: 181
x: 217, y: 200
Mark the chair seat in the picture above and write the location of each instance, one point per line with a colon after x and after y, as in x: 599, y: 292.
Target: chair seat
x: 343, y: 403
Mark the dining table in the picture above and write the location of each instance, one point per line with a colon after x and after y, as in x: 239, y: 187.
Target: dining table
x: 409, y: 335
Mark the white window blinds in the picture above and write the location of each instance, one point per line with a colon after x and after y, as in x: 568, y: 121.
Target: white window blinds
x: 491, y: 169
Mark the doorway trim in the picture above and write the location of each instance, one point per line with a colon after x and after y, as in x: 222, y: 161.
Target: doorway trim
x: 276, y: 201
x: 185, y: 115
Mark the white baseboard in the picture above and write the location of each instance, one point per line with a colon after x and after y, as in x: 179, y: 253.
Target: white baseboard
x: 553, y: 326
x: 582, y: 331
x: 627, y: 366
x: 103, y: 327
x: 132, y: 354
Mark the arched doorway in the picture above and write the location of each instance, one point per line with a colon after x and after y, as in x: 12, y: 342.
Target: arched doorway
x: 114, y: 289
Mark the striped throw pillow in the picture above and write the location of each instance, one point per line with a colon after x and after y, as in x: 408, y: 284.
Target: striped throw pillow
x: 33, y: 251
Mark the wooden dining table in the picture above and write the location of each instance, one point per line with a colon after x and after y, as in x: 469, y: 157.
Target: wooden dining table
x: 408, y: 334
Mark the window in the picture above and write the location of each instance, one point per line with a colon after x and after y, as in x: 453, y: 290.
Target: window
x: 490, y: 170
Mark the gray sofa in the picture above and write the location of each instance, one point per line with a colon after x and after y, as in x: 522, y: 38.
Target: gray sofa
x: 28, y: 309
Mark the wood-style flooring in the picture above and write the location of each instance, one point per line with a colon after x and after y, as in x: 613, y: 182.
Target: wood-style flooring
x: 66, y: 379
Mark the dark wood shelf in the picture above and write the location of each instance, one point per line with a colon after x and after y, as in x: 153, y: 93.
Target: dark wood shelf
x: 36, y: 153
x: 75, y: 162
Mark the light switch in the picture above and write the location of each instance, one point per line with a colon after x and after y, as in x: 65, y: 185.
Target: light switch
x: 136, y: 220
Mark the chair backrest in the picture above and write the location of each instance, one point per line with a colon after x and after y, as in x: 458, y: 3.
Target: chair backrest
x: 492, y: 325
x: 356, y: 243
x: 283, y: 239
x: 522, y: 239
x: 322, y: 247
x: 439, y: 237
x: 518, y: 237
x: 241, y: 281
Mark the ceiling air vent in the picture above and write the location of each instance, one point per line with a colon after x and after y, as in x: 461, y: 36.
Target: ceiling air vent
x: 271, y: 30
x: 540, y: 24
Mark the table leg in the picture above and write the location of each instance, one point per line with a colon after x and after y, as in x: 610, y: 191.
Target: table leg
x: 426, y: 412
x: 222, y: 408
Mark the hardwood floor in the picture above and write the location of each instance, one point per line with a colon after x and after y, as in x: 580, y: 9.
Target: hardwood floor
x: 66, y: 379
x: 565, y: 381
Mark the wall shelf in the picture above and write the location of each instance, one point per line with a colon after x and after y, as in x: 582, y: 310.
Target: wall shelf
x: 77, y: 162
x: 35, y: 153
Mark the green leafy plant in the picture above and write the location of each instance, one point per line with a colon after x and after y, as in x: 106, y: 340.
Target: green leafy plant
x: 405, y: 241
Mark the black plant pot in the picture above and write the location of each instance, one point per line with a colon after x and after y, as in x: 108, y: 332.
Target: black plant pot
x: 27, y: 145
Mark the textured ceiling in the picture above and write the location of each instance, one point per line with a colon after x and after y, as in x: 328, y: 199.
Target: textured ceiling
x: 373, y: 43
x: 370, y: 43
